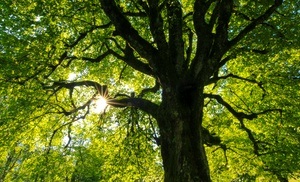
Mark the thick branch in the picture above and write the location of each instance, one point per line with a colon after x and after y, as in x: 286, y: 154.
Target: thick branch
x: 143, y: 104
x: 156, y: 25
x: 176, y: 45
x: 136, y: 64
x: 255, y: 22
x: 204, y: 36
x: 147, y: 90
x: 125, y: 29
x: 128, y: 58
x: 139, y: 103
x: 221, y: 38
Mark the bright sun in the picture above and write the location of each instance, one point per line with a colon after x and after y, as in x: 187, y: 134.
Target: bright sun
x: 99, y: 105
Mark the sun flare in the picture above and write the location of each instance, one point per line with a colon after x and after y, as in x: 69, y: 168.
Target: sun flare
x: 99, y: 105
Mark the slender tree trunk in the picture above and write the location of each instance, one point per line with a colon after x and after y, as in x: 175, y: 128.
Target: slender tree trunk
x: 182, y: 147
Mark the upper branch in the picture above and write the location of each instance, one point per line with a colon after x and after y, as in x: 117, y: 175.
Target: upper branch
x: 204, y: 36
x: 136, y: 64
x: 125, y: 29
x: 224, y: 15
x: 157, y: 25
x: 255, y: 22
x: 176, y: 45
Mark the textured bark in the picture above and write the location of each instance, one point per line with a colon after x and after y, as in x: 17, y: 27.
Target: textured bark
x: 182, y: 147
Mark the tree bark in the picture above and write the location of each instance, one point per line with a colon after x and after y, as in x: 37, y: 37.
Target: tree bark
x: 183, y: 153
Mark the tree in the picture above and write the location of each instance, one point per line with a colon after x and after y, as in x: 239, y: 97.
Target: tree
x: 217, y: 76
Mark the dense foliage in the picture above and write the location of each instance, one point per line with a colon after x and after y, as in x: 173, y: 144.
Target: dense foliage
x: 58, y: 56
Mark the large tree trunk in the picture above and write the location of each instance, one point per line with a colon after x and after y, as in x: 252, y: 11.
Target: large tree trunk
x: 183, y: 153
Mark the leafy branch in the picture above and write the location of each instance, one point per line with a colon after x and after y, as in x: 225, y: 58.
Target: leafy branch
x: 102, y: 90
x: 240, y: 116
x: 217, y: 78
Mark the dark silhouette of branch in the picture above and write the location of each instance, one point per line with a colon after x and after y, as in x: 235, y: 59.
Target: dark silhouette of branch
x: 176, y: 45
x: 139, y: 103
x: 255, y: 22
x: 101, y: 89
x: 209, y: 138
x: 204, y: 36
x: 156, y: 24
x: 128, y: 58
x: 240, y: 116
x: 132, y: 61
x: 147, y: 90
x: 216, y: 79
x: 125, y: 30
x: 64, y: 56
x: 189, y: 48
x: 142, y: 104
x: 236, y: 114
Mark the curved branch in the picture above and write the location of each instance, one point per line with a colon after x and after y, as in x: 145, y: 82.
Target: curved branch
x: 128, y: 58
x: 132, y: 61
x: 147, y: 90
x: 216, y: 79
x: 241, y: 116
x: 221, y: 38
x: 204, y: 36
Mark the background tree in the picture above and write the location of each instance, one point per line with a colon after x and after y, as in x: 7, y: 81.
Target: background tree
x: 207, y: 83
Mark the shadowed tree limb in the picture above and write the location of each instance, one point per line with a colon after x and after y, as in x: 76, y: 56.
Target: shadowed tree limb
x: 125, y: 30
x: 156, y: 24
x: 240, y: 116
x: 241, y: 50
x: 255, y: 22
x: 139, y: 103
x: 221, y: 37
x: 204, y: 36
x: 216, y: 79
x: 147, y: 90
x: 176, y: 45
x: 132, y: 61
x: 128, y: 58
x: 142, y: 104
x: 236, y: 114
x: 101, y: 89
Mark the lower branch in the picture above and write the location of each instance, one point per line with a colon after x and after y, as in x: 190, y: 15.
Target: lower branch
x: 143, y: 104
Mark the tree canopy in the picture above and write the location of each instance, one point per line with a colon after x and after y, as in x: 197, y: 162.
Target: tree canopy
x: 178, y: 76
